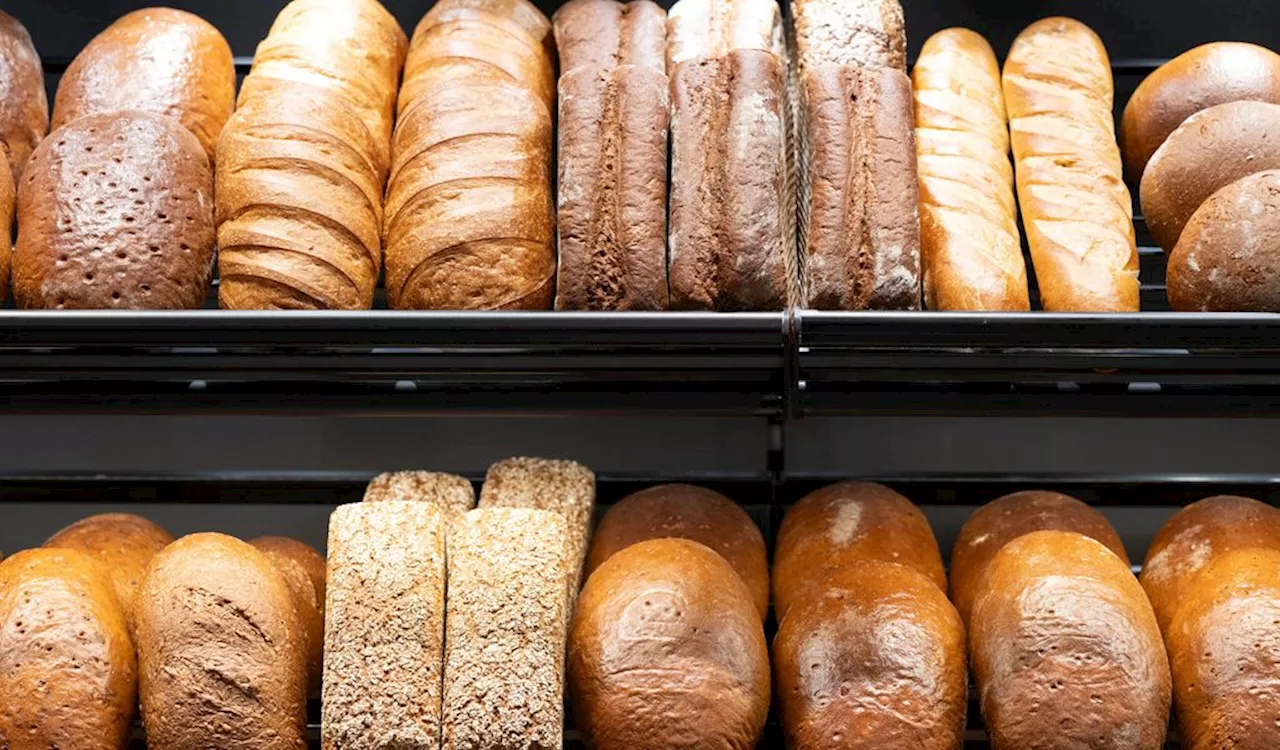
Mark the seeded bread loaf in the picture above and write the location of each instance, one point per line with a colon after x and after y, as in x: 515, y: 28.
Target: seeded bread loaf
x: 159, y: 60
x: 859, y: 33
x: 303, y: 570
x: 450, y: 493
x: 115, y: 211
x: 68, y: 675
x: 384, y: 641
x: 24, y: 106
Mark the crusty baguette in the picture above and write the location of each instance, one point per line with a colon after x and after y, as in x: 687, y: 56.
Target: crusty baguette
x: 24, y: 109
x: 450, y: 493
x: 1075, y: 206
x: 971, y: 250
x: 861, y: 33
x: 384, y: 640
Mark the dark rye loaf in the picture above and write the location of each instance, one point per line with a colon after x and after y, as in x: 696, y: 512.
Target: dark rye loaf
x: 24, y: 106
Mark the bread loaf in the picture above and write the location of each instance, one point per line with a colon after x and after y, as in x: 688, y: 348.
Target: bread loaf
x: 667, y: 651
x: 1200, y: 78
x: 970, y: 247
x: 158, y: 60
x: 68, y: 676
x: 1224, y: 649
x: 384, y: 643
x: 469, y: 221
x: 875, y: 660
x: 860, y: 203
x: 845, y: 523
x: 1001, y: 521
x: 714, y: 28
x: 1065, y: 649
x: 1228, y: 256
x: 450, y: 493
x: 686, y: 512
x: 8, y: 205
x: 613, y: 122
x: 1197, y: 535
x: 303, y: 570
x: 115, y: 211
x: 303, y: 162
x: 24, y: 106
x: 858, y: 33
x: 123, y: 543
x: 221, y: 655
x: 1075, y: 206
x: 505, y: 630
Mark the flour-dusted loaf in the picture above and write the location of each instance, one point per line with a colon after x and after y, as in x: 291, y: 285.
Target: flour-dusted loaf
x: 384, y: 639
x: 714, y: 28
x: 668, y: 651
x: 221, y: 655
x: 1065, y: 649
x: 124, y: 543
x: 450, y: 493
x: 1075, y: 206
x: 159, y: 60
x: 24, y: 106
x: 68, y: 676
x: 115, y: 211
x: 613, y: 124
x: 304, y: 571
x: 876, y: 660
x: 970, y: 246
x: 505, y: 631
x: 303, y: 162
x: 684, y: 511
x: 470, y: 210
x: 859, y: 33
x: 845, y: 523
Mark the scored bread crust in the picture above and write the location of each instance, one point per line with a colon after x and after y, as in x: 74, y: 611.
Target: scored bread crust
x: 24, y: 105
x: 1076, y: 209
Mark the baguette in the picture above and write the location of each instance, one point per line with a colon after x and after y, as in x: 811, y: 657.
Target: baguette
x: 24, y: 108
x: 971, y: 249
x: 1075, y: 206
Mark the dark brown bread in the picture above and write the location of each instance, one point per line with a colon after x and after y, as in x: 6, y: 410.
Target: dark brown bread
x: 1224, y: 649
x: 115, y: 211
x: 221, y: 654
x: 684, y: 511
x: 1065, y: 649
x: 68, y: 676
x: 667, y: 651
x: 729, y: 225
x: 303, y: 570
x: 845, y: 523
x: 861, y: 234
x: 1210, y: 150
x: 159, y: 60
x: 1228, y: 257
x: 24, y: 106
x: 1200, y: 78
x: 877, y: 660
x: 1002, y: 520
x: 123, y: 543
x: 605, y: 34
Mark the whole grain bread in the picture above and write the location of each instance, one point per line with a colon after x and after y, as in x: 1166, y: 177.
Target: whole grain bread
x: 605, y: 34
x: 24, y: 106
x: 450, y: 493
x: 860, y: 33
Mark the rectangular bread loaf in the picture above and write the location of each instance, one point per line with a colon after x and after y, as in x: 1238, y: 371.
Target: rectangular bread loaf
x: 864, y: 33
x: 713, y: 28
x: 384, y: 631
x: 606, y: 34
x: 506, y: 631
x: 450, y: 493
x: 860, y: 226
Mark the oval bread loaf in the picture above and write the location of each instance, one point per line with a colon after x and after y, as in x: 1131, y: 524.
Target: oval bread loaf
x: 221, y: 653
x: 8, y: 207
x: 1065, y: 649
x: 24, y: 106
x: 159, y: 60
x: 68, y: 676
x: 115, y: 211
x: 666, y: 650
x: 303, y: 570
x: 683, y: 511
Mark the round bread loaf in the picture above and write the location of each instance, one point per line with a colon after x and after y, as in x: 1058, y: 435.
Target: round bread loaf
x: 1228, y: 257
x: 303, y: 570
x: 877, y: 660
x: 1193, y: 537
x: 686, y: 512
x: 845, y: 523
x: 68, y: 677
x: 1224, y: 650
x: 123, y: 543
x: 8, y: 201
x: 24, y: 107
x: 1065, y: 649
x: 221, y: 654
x: 666, y: 650
x: 1002, y: 520
x: 1211, y: 149
x: 115, y: 211
x: 159, y: 60
x: 1208, y: 75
